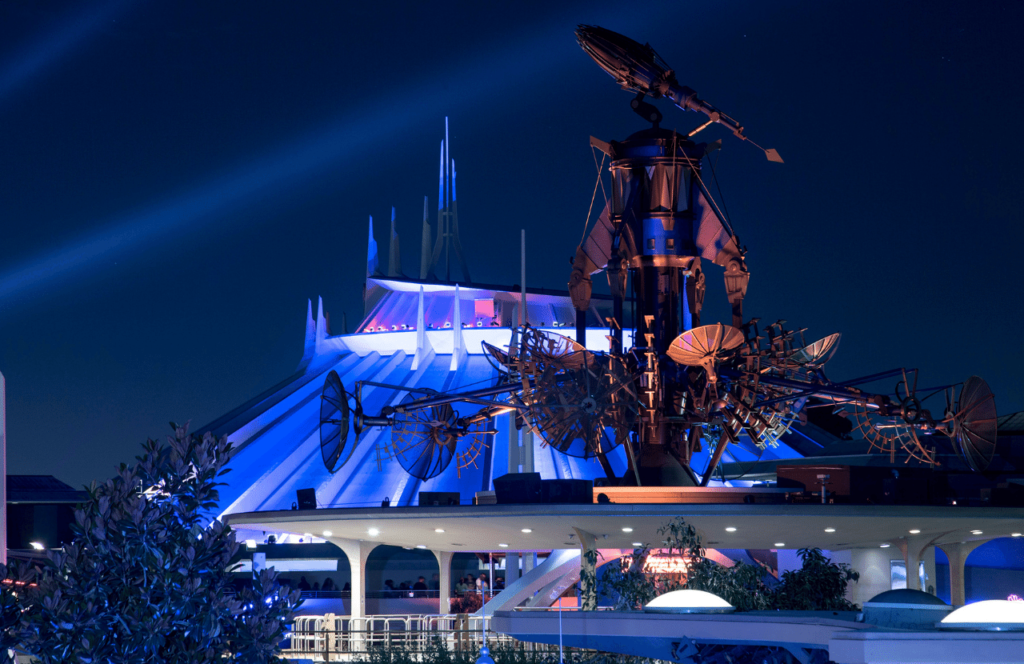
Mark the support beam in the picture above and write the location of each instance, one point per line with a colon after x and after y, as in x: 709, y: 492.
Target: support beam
x: 588, y: 569
x: 357, y: 553
x: 913, y: 549
x: 444, y: 563
x: 957, y: 553
x: 511, y: 568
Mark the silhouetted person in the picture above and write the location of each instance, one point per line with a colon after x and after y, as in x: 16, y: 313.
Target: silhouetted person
x: 420, y: 587
x: 328, y: 584
x: 316, y: 586
x: 303, y: 584
x: 435, y: 582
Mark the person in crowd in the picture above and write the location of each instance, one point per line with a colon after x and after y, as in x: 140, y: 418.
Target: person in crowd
x: 499, y: 583
x: 461, y: 587
x: 435, y: 582
x: 481, y: 583
x: 303, y: 584
x: 389, y: 588
x: 316, y: 586
x: 328, y: 584
x: 420, y: 587
x: 347, y: 588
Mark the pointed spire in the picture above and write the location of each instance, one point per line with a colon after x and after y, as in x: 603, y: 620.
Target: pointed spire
x: 309, y: 343
x: 425, y: 246
x: 453, y: 180
x: 447, y: 156
x: 394, y: 254
x: 458, y: 342
x: 424, y: 350
x: 440, y: 181
x: 371, y: 253
x: 321, y: 322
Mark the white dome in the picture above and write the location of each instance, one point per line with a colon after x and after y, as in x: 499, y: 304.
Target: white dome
x: 689, y: 601
x: 993, y: 614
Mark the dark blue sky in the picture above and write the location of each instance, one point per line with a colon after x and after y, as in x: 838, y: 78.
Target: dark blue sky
x: 177, y: 178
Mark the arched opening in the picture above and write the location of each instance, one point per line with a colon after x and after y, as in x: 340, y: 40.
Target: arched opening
x: 995, y: 570
x: 405, y: 569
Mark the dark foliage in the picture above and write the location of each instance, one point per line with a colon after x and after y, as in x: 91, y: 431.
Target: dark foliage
x: 819, y: 585
x: 146, y: 577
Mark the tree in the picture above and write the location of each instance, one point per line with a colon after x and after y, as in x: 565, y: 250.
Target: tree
x: 146, y: 577
x: 819, y: 585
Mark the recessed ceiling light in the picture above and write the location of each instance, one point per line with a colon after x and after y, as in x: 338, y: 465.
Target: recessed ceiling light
x: 421, y: 546
x: 975, y: 532
x: 730, y: 529
x: 327, y: 533
x: 627, y: 530
x: 884, y: 546
x: 438, y: 530
x: 638, y: 544
x: 373, y: 532
x: 830, y: 530
x: 915, y: 531
x: 779, y: 545
x: 1014, y: 534
x: 38, y: 546
x: 503, y: 545
x: 527, y: 530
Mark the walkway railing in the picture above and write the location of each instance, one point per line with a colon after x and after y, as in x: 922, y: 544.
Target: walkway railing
x: 332, y: 638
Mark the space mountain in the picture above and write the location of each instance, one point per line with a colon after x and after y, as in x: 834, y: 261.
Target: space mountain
x: 426, y: 332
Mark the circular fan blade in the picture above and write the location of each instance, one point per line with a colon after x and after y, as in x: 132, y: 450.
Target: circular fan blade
x: 422, y: 440
x: 818, y: 353
x: 974, y: 424
x: 582, y: 404
x: 335, y: 419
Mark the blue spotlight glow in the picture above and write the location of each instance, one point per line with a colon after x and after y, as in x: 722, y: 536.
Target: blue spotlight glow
x: 47, y: 51
x: 286, y: 170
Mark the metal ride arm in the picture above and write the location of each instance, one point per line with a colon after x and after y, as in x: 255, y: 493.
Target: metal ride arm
x: 473, y: 396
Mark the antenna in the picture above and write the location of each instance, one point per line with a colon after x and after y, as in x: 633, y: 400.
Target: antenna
x: 705, y: 347
x: 336, y: 418
x: 974, y: 424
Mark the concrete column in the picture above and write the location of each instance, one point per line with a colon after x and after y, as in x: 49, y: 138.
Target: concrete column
x: 957, y: 553
x: 588, y: 568
x: 444, y: 562
x: 529, y: 561
x: 913, y: 549
x: 357, y: 553
x: 511, y: 568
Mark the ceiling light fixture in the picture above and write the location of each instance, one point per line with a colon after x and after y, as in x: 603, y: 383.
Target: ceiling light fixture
x: 884, y: 546
x: 438, y: 530
x: 527, y: 530
x: 975, y: 532
x: 327, y: 533
x: 638, y: 544
x: 421, y: 546
x: 779, y: 545
x: 373, y: 532
x: 830, y: 530
x: 503, y: 545
x: 627, y: 530
x: 1014, y: 534
x: 38, y: 546
x: 730, y: 529
x: 915, y: 531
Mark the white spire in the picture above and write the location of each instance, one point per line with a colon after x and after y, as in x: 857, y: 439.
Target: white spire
x: 371, y: 253
x: 424, y: 351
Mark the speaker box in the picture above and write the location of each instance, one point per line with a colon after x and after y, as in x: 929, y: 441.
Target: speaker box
x: 439, y: 498
x: 306, y: 499
x: 518, y: 488
x: 567, y: 491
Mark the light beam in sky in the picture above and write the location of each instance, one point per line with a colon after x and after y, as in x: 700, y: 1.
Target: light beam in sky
x: 506, y: 71
x: 47, y: 51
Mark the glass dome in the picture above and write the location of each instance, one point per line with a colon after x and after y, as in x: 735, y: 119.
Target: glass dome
x: 997, y: 615
x: 688, y: 601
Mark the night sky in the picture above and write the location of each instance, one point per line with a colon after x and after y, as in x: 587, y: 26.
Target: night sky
x: 178, y: 178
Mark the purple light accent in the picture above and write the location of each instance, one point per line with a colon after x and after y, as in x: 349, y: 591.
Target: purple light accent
x: 453, y: 180
x: 440, y: 181
x: 447, y: 149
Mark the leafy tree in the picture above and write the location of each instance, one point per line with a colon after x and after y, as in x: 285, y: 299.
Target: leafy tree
x: 819, y: 585
x: 146, y: 577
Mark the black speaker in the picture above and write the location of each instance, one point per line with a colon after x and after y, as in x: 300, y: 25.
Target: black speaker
x: 567, y: 491
x: 431, y: 498
x: 518, y: 488
x: 307, y: 499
